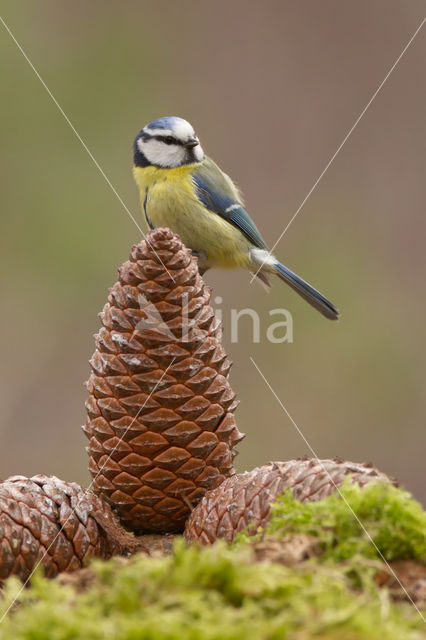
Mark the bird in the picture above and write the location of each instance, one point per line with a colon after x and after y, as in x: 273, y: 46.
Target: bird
x: 183, y: 189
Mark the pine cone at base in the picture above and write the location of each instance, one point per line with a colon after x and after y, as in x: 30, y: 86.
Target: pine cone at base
x: 245, y: 499
x: 55, y: 523
x: 160, y: 423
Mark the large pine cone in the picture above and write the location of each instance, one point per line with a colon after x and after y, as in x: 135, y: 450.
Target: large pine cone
x: 160, y: 419
x: 246, y: 498
x: 57, y: 524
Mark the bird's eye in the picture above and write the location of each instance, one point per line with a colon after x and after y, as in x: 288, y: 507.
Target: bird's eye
x: 169, y: 140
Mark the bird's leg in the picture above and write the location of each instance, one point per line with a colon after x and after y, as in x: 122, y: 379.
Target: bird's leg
x: 202, y: 270
x: 201, y: 257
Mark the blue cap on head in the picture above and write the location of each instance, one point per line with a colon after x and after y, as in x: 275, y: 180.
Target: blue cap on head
x: 167, y: 122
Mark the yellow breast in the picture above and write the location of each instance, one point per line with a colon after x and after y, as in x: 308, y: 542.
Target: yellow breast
x: 169, y: 199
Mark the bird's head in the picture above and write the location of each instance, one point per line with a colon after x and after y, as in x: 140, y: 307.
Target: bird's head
x: 167, y: 142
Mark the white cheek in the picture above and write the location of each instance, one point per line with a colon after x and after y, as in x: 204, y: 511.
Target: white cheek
x: 157, y: 152
x: 198, y: 153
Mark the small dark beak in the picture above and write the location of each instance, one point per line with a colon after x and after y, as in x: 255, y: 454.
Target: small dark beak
x: 191, y: 142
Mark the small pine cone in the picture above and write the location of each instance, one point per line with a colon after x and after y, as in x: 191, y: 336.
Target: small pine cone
x: 245, y: 499
x: 160, y: 419
x: 57, y: 524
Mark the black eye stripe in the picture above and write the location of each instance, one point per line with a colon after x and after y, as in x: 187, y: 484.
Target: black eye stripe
x: 165, y: 139
x: 168, y: 140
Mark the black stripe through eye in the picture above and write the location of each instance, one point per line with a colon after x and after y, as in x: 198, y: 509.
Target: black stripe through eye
x: 169, y: 140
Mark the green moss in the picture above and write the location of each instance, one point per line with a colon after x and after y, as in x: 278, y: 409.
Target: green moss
x: 214, y: 593
x: 347, y: 524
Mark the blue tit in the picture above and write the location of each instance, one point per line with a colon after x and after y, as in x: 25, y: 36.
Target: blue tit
x: 183, y: 189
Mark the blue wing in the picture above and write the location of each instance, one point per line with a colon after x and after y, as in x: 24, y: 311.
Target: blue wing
x: 217, y: 193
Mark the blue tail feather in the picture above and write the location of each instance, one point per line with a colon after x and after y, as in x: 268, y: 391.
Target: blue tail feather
x: 308, y: 293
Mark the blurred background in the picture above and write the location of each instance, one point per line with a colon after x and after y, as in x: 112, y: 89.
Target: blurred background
x: 272, y: 89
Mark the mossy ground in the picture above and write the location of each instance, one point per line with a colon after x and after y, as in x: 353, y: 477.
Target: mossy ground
x: 379, y: 522
x: 223, y: 593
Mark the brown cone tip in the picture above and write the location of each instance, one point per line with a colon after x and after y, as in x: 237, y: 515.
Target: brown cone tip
x: 160, y: 413
x: 57, y: 524
x: 246, y: 498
